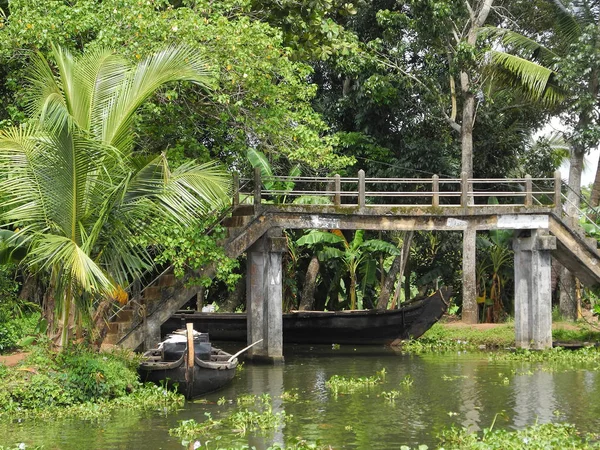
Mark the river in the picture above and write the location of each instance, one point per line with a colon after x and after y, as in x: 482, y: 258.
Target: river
x: 465, y: 389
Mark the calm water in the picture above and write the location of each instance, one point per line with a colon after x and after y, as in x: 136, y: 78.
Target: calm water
x: 464, y: 389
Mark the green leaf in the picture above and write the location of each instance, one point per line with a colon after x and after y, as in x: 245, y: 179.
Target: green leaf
x: 319, y: 237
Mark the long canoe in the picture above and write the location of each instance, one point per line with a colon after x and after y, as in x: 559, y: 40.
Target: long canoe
x: 329, y: 327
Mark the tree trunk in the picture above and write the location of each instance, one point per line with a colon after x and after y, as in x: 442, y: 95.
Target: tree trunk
x: 398, y: 266
x: 235, y: 297
x: 466, y: 129
x: 100, y: 321
x: 568, y: 295
x: 595, y: 195
x: 352, y: 291
x: 575, y: 169
x: 307, y: 299
x: 477, y: 20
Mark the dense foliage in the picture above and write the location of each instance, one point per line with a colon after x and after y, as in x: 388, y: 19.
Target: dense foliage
x: 398, y: 88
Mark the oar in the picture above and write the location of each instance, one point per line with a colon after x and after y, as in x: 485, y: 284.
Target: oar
x: 243, y: 350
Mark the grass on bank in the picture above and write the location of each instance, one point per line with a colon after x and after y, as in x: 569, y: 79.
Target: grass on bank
x: 78, y: 383
x: 444, y: 338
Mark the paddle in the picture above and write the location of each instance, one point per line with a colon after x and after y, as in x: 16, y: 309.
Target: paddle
x: 243, y: 350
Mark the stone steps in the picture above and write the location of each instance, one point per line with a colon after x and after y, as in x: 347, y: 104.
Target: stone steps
x: 164, y: 290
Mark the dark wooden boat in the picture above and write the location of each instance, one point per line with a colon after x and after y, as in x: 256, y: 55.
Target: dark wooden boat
x: 192, y: 373
x: 330, y: 327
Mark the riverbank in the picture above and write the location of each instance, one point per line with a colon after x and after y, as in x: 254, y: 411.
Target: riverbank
x: 455, y: 335
x: 77, y: 382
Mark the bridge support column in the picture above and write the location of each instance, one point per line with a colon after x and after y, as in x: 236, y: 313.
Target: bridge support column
x: 533, y: 290
x: 470, y: 310
x: 264, y: 297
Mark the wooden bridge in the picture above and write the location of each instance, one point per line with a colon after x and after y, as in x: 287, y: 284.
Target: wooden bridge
x: 262, y: 208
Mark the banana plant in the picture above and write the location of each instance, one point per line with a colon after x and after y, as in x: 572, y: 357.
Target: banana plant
x: 355, y: 255
x: 259, y: 160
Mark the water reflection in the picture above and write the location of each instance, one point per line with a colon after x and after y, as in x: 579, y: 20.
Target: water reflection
x: 267, y: 380
x: 534, y: 398
x: 463, y: 389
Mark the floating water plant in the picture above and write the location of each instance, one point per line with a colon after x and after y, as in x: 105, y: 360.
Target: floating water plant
x: 407, y: 381
x: 390, y: 396
x: 348, y: 385
x: 260, y: 418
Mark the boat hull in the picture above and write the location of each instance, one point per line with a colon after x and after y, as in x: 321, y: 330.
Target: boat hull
x: 366, y: 327
x: 191, y: 381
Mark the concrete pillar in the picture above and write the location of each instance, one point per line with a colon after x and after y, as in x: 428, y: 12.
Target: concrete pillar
x: 533, y: 290
x: 469, y: 288
x: 264, y: 297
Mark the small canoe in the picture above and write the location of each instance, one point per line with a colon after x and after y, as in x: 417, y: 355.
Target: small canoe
x: 192, y: 375
x: 368, y: 327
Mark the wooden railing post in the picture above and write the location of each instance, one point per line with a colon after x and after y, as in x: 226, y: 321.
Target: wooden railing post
x: 528, y: 191
x: 257, y: 186
x: 435, y: 189
x: 464, y: 190
x: 361, y: 188
x: 337, y: 198
x: 557, y: 194
x: 236, y: 189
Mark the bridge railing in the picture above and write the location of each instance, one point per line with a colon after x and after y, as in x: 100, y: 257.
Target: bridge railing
x: 364, y: 191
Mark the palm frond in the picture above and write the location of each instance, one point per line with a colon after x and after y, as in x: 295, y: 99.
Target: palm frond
x: 51, y: 250
x: 534, y: 78
x: 45, y: 98
x: 522, y: 45
x: 568, y: 24
x: 175, y: 63
x: 99, y: 75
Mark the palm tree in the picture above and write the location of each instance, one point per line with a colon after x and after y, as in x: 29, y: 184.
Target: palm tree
x: 549, y: 73
x: 85, y: 202
x: 556, y: 73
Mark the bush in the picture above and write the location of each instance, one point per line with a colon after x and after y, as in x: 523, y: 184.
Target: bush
x: 75, y: 376
x: 91, y: 376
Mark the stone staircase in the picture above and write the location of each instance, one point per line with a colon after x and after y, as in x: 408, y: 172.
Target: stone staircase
x: 140, y: 320
x: 575, y: 251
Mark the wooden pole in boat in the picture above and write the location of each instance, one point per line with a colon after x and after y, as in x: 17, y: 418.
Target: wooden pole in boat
x: 190, y: 344
x: 243, y: 350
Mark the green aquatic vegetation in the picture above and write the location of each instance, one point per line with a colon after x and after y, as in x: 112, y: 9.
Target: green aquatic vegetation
x: 300, y: 444
x: 290, y: 396
x: 553, y: 359
x: 190, y: 430
x: 260, y: 418
x: 349, y: 385
x: 145, y: 398
x: 536, y: 437
x: 246, y: 420
x: 390, y: 396
x: 407, y: 381
x: 250, y: 399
